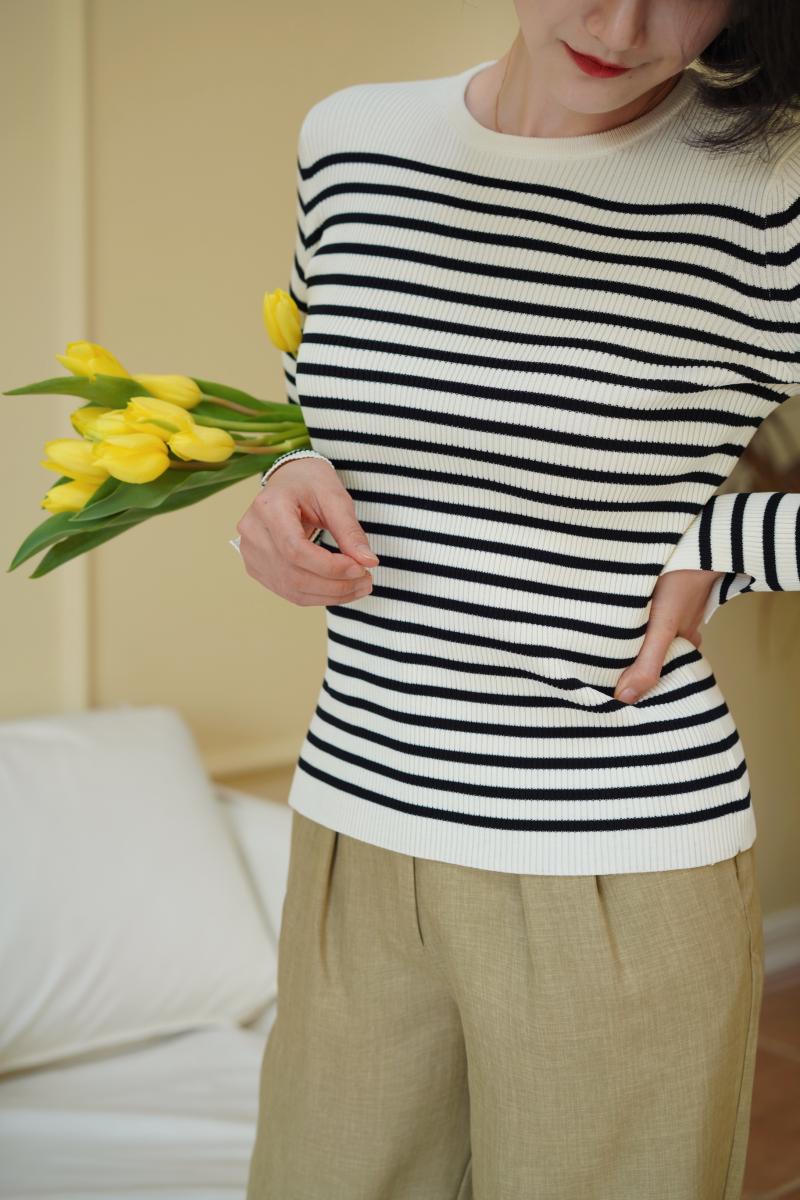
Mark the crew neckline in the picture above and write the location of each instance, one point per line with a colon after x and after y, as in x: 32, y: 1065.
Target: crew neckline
x: 583, y: 145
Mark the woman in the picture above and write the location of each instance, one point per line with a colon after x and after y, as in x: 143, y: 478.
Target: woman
x: 547, y: 304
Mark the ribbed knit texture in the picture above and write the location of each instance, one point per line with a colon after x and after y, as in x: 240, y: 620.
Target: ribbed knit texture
x: 532, y: 362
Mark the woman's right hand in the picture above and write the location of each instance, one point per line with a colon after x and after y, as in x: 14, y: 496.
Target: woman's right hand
x: 305, y: 494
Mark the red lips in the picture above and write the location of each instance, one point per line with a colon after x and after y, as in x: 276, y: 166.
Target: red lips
x: 602, y: 62
x: 594, y: 66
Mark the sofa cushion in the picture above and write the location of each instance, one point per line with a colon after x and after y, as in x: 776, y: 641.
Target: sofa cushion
x: 126, y: 911
x: 262, y: 829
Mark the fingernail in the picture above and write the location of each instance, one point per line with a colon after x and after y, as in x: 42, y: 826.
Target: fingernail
x: 365, y: 552
x: 628, y: 695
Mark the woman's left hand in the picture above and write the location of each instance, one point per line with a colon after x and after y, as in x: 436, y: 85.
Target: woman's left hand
x: 676, y: 610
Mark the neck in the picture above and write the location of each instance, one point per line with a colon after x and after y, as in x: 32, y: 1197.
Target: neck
x: 524, y: 107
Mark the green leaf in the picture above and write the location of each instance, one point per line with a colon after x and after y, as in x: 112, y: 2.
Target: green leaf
x: 57, y: 525
x: 116, y: 496
x: 154, y: 495
x: 51, y: 530
x: 79, y: 543
x: 184, y: 498
x: 109, y: 391
x: 107, y: 490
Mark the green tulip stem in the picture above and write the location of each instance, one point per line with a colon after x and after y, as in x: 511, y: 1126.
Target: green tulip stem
x: 274, y: 439
x: 176, y: 464
x: 245, y: 426
x: 242, y: 408
x: 298, y: 443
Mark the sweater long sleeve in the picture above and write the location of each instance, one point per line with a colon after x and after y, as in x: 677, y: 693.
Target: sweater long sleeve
x: 298, y: 290
x: 533, y: 363
x: 297, y: 286
x: 754, y: 537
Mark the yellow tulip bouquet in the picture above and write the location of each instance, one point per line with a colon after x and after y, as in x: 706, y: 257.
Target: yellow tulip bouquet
x: 152, y: 443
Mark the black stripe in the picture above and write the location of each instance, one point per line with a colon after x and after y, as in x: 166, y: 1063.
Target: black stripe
x: 417, y: 629
x: 768, y: 542
x: 704, y: 338
x: 689, y: 817
x: 526, y: 365
x: 493, y: 669
x: 480, y: 454
x: 499, y: 792
x: 613, y: 287
x: 520, y: 553
x: 737, y: 531
x: 727, y: 213
x: 592, y: 503
x: 528, y: 396
x: 509, y: 701
x: 578, y: 762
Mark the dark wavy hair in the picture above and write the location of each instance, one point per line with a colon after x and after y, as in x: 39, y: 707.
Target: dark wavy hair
x: 750, y: 76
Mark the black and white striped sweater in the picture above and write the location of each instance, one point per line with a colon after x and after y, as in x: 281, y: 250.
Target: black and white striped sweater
x: 532, y: 362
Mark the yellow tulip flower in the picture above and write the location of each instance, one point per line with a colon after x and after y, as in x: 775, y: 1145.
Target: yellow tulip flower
x: 95, y: 423
x: 87, y: 358
x: 283, y: 320
x: 132, y: 457
x: 203, y: 443
x: 289, y: 321
x: 148, y: 414
x: 177, y: 389
x: 69, y: 497
x: 73, y: 457
x: 270, y: 323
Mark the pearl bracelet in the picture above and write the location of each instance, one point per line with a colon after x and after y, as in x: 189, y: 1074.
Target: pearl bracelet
x: 280, y: 460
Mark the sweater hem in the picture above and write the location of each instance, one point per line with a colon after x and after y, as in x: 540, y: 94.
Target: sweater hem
x: 692, y: 844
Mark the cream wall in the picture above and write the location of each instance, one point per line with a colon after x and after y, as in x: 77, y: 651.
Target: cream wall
x: 148, y: 203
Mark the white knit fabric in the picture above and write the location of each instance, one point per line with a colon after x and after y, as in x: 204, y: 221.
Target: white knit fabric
x: 533, y: 362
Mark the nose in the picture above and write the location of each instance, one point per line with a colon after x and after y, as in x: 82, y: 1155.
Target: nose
x: 619, y: 26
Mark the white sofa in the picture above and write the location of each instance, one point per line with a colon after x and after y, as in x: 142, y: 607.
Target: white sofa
x: 140, y: 909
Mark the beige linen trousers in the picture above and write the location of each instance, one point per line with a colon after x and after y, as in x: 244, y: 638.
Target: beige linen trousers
x: 451, y: 1033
